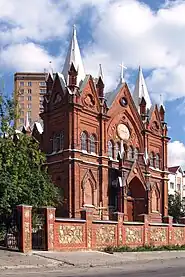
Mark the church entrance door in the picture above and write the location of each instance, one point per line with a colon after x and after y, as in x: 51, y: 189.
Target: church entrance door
x: 137, y: 199
x: 130, y: 209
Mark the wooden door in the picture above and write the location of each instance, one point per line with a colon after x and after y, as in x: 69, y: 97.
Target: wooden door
x: 130, y: 209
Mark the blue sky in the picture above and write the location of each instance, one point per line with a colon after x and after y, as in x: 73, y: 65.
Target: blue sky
x: 147, y: 33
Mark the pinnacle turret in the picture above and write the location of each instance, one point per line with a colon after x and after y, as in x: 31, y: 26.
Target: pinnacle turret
x: 74, y: 57
x: 141, y: 91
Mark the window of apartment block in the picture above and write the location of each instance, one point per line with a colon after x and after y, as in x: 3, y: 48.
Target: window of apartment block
x: 29, y: 91
x: 21, y: 91
x: 21, y: 120
x: 29, y: 106
x: 29, y: 113
x: 42, y: 84
x: 42, y: 90
x: 22, y: 113
x: 22, y: 105
x: 171, y: 185
x: 29, y: 98
x: 21, y: 84
x: 178, y: 187
x: 21, y: 98
x: 29, y: 84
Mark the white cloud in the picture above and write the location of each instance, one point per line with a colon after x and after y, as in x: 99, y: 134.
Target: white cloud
x: 176, y: 154
x: 36, y: 20
x: 169, y: 81
x: 26, y: 57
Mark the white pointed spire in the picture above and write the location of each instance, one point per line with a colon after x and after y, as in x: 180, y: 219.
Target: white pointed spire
x: 100, y: 73
x: 161, y: 103
x: 27, y: 123
x: 74, y: 56
x: 49, y: 71
x: 141, y: 91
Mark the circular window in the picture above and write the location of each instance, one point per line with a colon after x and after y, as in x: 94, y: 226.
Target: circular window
x: 123, y: 101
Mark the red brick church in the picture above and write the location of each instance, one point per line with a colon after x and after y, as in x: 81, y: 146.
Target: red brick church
x: 107, y: 151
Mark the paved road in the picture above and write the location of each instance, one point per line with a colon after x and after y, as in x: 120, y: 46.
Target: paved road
x: 161, y: 268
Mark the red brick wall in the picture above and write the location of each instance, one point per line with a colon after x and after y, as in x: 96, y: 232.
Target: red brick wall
x: 72, y: 234
x: 86, y: 233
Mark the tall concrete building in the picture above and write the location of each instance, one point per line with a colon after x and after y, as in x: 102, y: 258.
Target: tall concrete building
x: 29, y: 90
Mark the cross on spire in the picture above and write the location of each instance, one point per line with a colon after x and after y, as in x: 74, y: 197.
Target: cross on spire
x: 122, y: 79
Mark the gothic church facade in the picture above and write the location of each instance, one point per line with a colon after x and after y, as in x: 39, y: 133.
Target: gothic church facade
x: 106, y: 151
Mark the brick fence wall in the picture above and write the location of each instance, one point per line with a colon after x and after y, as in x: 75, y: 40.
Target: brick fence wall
x: 86, y: 233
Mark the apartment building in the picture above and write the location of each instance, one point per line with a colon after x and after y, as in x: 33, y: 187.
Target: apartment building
x: 176, y: 181
x: 29, y: 90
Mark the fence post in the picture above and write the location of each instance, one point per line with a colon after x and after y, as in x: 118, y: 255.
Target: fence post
x: 146, y: 238
x: 169, y: 221
x: 119, y: 218
x: 49, y: 227
x: 87, y: 214
x: 25, y: 239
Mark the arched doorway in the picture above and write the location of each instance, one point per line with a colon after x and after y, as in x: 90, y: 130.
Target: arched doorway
x: 136, y: 199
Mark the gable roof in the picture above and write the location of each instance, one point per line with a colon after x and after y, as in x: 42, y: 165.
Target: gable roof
x: 173, y: 169
x: 111, y: 95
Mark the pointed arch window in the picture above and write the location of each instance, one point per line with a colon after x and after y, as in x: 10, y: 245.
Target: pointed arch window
x: 92, y: 144
x: 117, y: 149
x: 110, y: 149
x: 131, y: 153
x: 54, y: 143
x: 62, y: 140
x: 136, y: 154
x: 152, y: 159
x: 157, y: 161
x: 84, y: 143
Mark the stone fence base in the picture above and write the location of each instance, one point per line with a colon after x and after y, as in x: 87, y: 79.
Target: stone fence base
x: 64, y: 234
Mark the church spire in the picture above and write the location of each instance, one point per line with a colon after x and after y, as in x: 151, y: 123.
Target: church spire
x: 141, y: 91
x: 27, y: 123
x: 49, y: 71
x: 100, y: 72
x: 161, y: 102
x: 74, y: 57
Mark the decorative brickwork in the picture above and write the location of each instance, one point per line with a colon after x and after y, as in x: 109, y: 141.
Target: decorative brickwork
x: 158, y: 235
x: 178, y: 234
x: 70, y: 234
x: 105, y: 234
x: 86, y: 234
x: 25, y: 213
x: 134, y: 235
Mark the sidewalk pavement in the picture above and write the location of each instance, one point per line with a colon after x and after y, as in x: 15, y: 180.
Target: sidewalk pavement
x: 97, y: 259
x: 43, y: 259
x: 17, y: 260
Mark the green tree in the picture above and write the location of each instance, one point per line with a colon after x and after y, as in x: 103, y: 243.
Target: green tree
x: 23, y: 175
x: 175, y: 207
